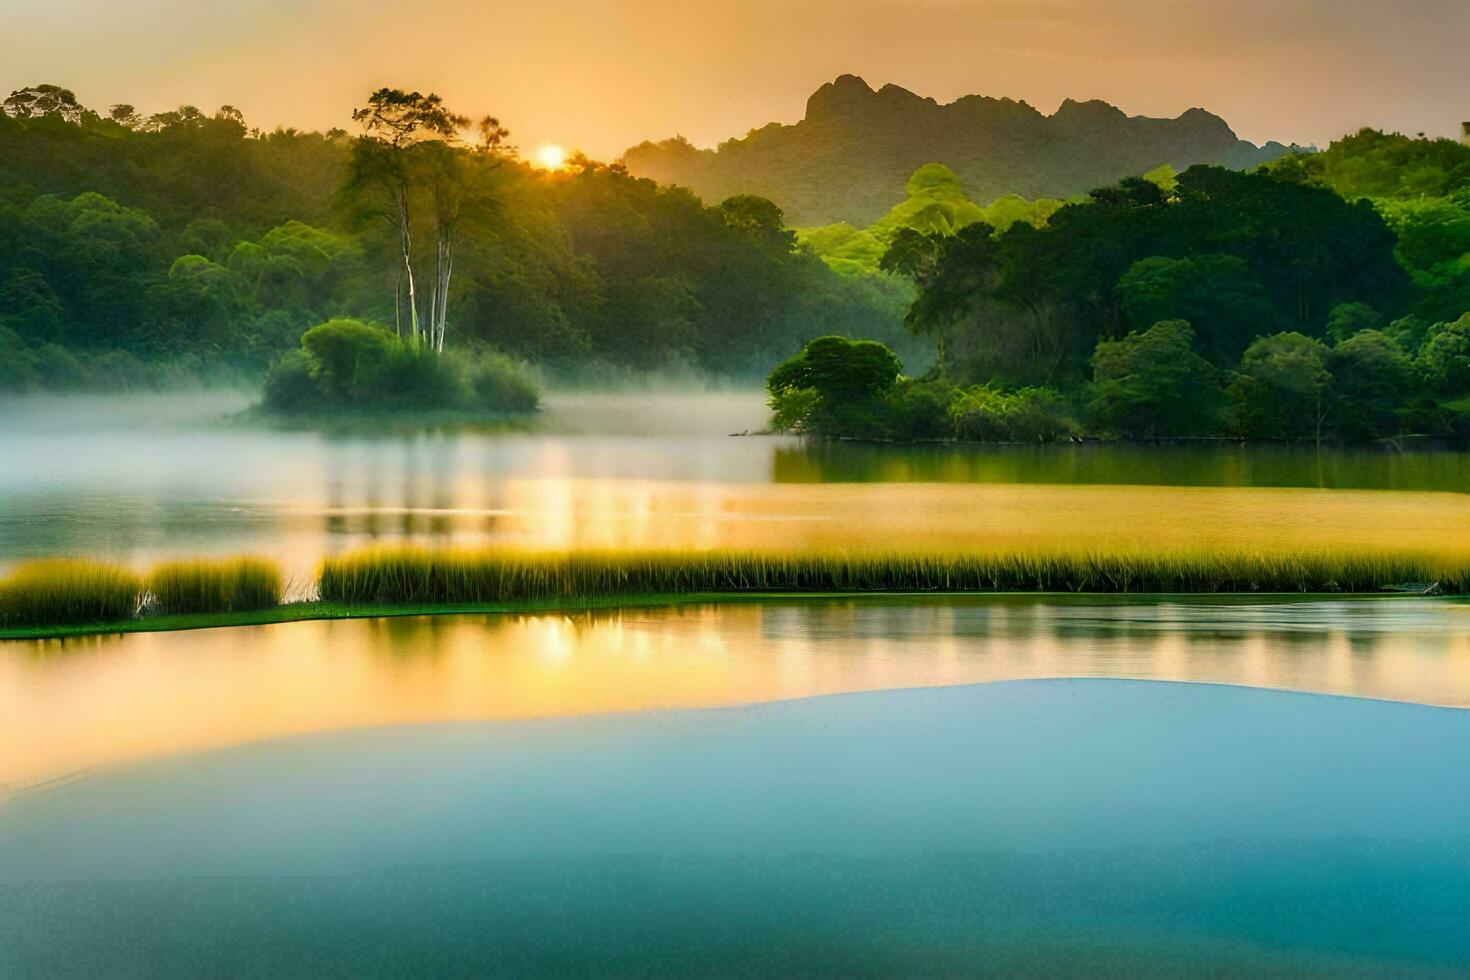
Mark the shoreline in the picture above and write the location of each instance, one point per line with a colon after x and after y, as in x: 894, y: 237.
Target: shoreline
x: 310, y: 611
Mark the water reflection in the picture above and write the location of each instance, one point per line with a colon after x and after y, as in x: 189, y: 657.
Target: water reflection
x: 644, y: 470
x: 69, y: 705
x: 1210, y: 465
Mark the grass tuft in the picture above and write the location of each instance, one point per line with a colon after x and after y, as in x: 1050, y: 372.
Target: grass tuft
x: 228, y: 585
x: 68, y: 590
x: 422, y: 576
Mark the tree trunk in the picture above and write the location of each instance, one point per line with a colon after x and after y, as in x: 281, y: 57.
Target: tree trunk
x: 405, y: 242
x: 398, y: 306
x: 444, y: 295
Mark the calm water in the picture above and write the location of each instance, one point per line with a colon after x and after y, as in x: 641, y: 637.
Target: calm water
x: 68, y: 706
x: 1036, y: 828
x: 513, y: 794
x: 139, y: 478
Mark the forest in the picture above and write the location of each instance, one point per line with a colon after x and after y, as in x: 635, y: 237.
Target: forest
x: 153, y: 251
x: 1324, y: 295
x: 412, y: 259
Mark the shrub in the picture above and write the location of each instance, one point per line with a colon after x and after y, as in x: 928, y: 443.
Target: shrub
x: 986, y: 414
x: 231, y: 585
x: 919, y: 410
x: 1042, y: 415
x: 59, y: 369
x: 502, y: 385
x: 62, y: 591
x: 348, y: 358
x: 17, y: 365
x: 849, y: 379
x: 417, y: 377
x: 349, y: 364
x: 980, y: 415
x: 289, y: 384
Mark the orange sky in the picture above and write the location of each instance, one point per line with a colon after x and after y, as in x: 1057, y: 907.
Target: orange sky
x: 603, y: 74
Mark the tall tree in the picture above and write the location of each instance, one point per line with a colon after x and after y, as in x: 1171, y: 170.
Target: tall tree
x: 393, y: 123
x: 44, y: 100
x: 455, y: 182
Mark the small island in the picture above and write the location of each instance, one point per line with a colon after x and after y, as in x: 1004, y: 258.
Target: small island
x: 346, y: 367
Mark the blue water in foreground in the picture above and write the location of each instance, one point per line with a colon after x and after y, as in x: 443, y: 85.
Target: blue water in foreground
x: 1069, y: 827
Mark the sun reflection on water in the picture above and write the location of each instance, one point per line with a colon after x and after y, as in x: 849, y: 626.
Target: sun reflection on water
x: 68, y: 705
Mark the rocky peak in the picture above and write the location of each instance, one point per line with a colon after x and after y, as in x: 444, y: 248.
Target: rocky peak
x: 844, y: 96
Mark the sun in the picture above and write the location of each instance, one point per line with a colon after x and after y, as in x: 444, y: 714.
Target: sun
x: 551, y: 156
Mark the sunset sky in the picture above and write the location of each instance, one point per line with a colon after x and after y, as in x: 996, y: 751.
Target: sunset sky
x: 601, y: 75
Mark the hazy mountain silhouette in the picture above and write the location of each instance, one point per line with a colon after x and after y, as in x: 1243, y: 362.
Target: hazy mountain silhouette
x: 847, y: 159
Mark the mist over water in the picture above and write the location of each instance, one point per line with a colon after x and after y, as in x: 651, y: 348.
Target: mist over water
x: 135, y: 478
x: 545, y: 812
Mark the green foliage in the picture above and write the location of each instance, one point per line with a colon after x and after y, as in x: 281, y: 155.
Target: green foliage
x: 1282, y: 389
x: 290, y: 386
x: 66, y: 590
x: 935, y: 208
x: 1444, y: 360
x: 1374, y: 164
x: 846, y: 250
x: 348, y: 364
x: 1347, y: 319
x: 1151, y: 384
x: 349, y: 359
x: 1224, y: 303
x: 1422, y: 189
x: 187, y: 238
x: 987, y: 414
x: 1245, y: 254
x: 833, y: 386
x: 917, y: 411
x: 1371, y: 377
x: 227, y: 585
x: 501, y: 385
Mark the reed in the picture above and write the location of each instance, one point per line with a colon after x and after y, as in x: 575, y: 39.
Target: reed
x: 227, y: 585
x: 66, y: 591
x: 430, y: 577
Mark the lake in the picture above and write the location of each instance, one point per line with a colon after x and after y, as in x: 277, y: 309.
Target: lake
x: 1145, y: 785
x: 140, y: 478
x: 67, y: 706
x: 1062, y: 827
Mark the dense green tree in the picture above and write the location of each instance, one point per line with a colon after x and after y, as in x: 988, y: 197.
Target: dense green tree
x: 1151, y: 384
x: 45, y: 100
x: 187, y: 236
x: 1224, y: 303
x: 1245, y: 254
x: 1444, y: 360
x: 1347, y: 319
x: 1282, y: 389
x: 1373, y: 164
x: 1371, y: 377
x: 833, y: 385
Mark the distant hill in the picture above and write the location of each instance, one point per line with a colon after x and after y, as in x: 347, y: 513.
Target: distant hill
x: 844, y: 160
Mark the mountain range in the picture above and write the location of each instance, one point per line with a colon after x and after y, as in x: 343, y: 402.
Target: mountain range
x: 848, y: 158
